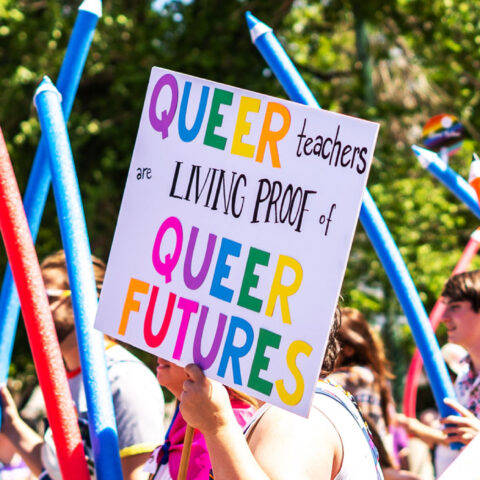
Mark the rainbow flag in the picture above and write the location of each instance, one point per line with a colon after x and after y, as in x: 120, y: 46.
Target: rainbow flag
x: 443, y: 131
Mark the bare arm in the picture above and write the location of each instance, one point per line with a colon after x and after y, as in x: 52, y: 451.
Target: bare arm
x: 132, y: 466
x: 273, y: 453
x: 25, y: 441
x: 430, y: 435
x: 392, y: 474
x: 280, y: 448
x: 288, y: 446
x: 230, y: 456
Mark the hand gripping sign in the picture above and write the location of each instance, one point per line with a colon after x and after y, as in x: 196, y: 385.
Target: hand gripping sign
x: 234, y: 232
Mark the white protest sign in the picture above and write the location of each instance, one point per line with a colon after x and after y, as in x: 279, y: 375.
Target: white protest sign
x: 466, y: 465
x: 234, y: 233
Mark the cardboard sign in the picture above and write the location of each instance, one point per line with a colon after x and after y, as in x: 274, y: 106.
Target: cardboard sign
x: 234, y: 232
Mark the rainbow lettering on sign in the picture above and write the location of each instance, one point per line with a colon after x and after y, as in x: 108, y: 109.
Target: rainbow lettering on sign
x: 214, y: 119
x: 238, y: 328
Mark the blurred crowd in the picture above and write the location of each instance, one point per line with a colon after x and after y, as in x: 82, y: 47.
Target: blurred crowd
x: 354, y: 429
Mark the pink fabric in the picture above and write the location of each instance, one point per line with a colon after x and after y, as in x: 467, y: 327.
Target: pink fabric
x: 199, y: 465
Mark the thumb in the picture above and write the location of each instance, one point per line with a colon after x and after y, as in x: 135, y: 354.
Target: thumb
x: 194, y: 372
x: 464, y: 412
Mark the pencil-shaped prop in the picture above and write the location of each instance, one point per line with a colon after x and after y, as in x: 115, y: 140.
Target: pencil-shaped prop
x: 39, y: 324
x: 415, y: 368
x: 186, y: 450
x: 39, y: 180
x: 446, y: 175
x: 277, y: 59
x: 374, y: 225
x: 73, y: 230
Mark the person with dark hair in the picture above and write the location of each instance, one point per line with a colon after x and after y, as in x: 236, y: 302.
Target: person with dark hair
x: 362, y: 369
x: 137, y: 398
x: 332, y: 443
x: 461, y: 296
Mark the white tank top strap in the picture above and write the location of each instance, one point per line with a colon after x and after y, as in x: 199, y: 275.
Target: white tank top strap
x: 252, y: 424
x: 327, y: 388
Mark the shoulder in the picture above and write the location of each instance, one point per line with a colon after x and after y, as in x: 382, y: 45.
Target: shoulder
x: 354, y: 375
x: 283, y: 440
x: 117, y: 354
x: 121, y: 364
x: 134, y: 386
x: 363, y: 374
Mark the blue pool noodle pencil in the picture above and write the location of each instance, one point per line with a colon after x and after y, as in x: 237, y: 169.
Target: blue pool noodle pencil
x: 446, y: 175
x: 73, y: 229
x: 39, y: 181
x: 373, y: 223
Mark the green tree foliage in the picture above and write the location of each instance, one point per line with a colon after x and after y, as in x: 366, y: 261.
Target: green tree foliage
x: 398, y: 63
x: 424, y: 61
x: 207, y: 39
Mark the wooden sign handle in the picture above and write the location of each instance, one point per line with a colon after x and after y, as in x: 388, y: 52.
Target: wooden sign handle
x: 187, y: 446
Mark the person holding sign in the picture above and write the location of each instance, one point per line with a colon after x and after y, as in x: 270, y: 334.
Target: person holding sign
x: 332, y: 443
x: 138, y: 400
x: 165, y: 460
x: 239, y: 268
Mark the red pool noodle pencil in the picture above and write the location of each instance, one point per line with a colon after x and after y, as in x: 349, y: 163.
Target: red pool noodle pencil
x: 39, y: 324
